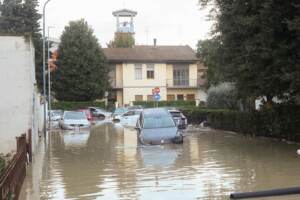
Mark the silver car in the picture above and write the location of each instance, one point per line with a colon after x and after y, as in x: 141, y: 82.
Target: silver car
x: 73, y: 120
x: 155, y: 126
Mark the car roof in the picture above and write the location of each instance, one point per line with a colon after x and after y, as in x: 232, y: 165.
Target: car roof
x: 155, y: 112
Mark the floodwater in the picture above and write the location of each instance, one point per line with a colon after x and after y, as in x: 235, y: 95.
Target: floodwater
x: 108, y: 163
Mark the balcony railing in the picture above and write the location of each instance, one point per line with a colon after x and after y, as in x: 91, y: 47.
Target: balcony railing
x: 182, y: 83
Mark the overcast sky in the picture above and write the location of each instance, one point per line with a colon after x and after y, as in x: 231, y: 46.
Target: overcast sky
x: 172, y: 22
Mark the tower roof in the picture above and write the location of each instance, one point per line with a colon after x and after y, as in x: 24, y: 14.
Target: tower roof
x: 124, y: 13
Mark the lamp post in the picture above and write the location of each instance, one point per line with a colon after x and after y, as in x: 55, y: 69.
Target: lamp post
x: 44, y: 67
x: 49, y: 77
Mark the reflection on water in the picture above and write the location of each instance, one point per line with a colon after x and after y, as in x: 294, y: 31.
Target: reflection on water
x: 109, y: 163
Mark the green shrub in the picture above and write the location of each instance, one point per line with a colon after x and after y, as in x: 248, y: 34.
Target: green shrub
x: 279, y: 122
x: 68, y: 105
x: 197, y: 115
x: 2, y: 165
x: 151, y: 104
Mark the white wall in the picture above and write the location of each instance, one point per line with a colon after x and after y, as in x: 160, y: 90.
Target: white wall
x: 17, y: 80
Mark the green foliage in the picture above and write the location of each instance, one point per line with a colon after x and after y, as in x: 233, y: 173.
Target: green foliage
x: 209, y: 52
x: 122, y: 40
x: 82, y: 73
x: 279, y: 122
x: 197, y: 115
x: 151, y: 104
x: 70, y: 105
x: 223, y: 96
x: 2, y: 165
x: 21, y: 18
x: 260, y: 45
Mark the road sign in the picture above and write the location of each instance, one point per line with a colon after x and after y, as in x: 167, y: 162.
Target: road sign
x: 157, y: 90
x: 156, y: 97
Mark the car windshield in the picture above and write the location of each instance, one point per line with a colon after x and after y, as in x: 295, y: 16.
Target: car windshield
x: 74, y: 115
x: 158, y: 122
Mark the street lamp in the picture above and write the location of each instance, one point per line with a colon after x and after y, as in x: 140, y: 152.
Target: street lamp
x: 49, y: 77
x: 44, y: 66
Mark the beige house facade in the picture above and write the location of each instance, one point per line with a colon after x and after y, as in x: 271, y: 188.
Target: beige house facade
x: 136, y: 71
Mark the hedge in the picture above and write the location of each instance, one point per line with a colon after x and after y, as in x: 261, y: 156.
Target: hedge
x: 280, y: 122
x: 198, y: 115
x: 2, y: 165
x: 68, y: 105
x: 150, y: 104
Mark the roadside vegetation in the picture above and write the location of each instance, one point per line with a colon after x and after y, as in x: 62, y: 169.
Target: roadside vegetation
x: 72, y: 105
x: 255, y: 47
x: 2, y: 165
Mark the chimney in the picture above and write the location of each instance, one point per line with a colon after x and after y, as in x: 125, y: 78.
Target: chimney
x: 154, y: 42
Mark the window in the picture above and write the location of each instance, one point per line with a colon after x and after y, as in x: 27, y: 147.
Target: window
x: 190, y: 97
x: 150, y: 71
x: 138, y: 97
x: 181, y: 75
x: 138, y: 70
x: 150, y: 97
x: 170, y: 97
x: 180, y: 97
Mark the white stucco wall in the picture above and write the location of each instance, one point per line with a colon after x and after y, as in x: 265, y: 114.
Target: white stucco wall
x: 17, y: 79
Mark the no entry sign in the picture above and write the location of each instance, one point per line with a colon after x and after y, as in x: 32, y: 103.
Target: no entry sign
x: 157, y: 90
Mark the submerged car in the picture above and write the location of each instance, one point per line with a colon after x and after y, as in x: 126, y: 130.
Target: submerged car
x: 179, y: 118
x: 156, y: 126
x: 119, y: 111
x: 99, y: 112
x: 88, y: 113
x: 74, y: 119
x: 129, y: 118
x: 55, y: 115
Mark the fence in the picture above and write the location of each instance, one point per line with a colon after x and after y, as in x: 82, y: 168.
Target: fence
x: 14, y: 174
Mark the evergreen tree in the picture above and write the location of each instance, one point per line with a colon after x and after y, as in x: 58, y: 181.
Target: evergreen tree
x: 260, y: 46
x: 122, y: 40
x: 82, y: 73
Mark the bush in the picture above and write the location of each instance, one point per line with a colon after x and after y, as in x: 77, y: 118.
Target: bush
x: 68, y: 105
x: 222, y: 96
x: 2, y: 165
x: 279, y: 122
x: 197, y: 115
x: 151, y: 104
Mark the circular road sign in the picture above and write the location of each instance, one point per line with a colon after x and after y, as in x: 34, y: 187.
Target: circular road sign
x: 157, y: 90
x: 157, y: 97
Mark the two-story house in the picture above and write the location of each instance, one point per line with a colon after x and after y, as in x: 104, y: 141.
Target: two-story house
x: 136, y: 71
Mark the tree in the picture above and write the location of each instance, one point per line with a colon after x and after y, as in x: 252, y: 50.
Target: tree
x: 21, y: 18
x: 260, y: 46
x: 82, y: 73
x: 122, y: 40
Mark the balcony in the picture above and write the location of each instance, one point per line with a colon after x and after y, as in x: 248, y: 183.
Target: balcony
x: 177, y: 83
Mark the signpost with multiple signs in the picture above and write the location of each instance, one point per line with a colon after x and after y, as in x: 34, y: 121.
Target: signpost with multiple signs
x: 156, y: 95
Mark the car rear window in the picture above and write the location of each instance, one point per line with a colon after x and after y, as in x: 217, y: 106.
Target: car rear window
x: 74, y: 115
x: 175, y: 114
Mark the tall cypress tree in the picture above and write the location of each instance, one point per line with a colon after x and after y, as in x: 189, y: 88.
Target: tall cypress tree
x: 82, y: 73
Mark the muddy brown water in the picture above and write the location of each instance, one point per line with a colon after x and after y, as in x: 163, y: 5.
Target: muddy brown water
x: 108, y: 163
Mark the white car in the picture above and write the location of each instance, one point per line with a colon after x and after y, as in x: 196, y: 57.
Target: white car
x: 74, y: 119
x: 129, y: 118
x: 99, y: 112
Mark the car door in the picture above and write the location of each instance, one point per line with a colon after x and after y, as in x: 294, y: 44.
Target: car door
x: 127, y: 117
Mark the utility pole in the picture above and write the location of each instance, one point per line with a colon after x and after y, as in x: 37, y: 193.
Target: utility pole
x: 44, y: 67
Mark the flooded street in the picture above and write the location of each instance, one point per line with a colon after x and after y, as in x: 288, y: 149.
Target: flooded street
x: 108, y: 163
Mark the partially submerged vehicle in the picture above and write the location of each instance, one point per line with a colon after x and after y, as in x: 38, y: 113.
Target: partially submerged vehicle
x: 129, y: 118
x: 179, y: 118
x: 74, y: 119
x: 156, y: 126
